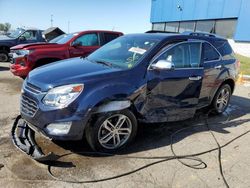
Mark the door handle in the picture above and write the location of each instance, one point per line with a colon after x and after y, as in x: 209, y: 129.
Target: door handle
x: 195, y: 78
x: 218, y: 67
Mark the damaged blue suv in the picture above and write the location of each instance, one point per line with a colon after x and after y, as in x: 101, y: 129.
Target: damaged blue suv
x: 151, y: 77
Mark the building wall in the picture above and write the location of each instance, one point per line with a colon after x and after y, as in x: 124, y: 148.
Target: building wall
x: 187, y: 10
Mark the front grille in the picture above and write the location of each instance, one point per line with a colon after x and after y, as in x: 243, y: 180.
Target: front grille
x: 11, y: 59
x: 28, y: 106
x: 30, y: 87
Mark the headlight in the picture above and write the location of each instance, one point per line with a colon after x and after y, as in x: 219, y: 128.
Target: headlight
x: 24, y: 52
x: 62, y: 96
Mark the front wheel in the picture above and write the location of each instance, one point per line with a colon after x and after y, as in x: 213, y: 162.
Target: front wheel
x: 222, y: 98
x: 3, y: 56
x: 112, y: 131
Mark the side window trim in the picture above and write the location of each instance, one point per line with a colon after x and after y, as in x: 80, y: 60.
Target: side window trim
x: 220, y: 56
x: 165, y: 49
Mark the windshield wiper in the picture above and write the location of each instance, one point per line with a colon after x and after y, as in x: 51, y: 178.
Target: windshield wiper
x: 99, y: 61
x: 104, y: 63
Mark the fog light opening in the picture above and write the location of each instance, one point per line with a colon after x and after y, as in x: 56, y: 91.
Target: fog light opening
x: 61, y: 128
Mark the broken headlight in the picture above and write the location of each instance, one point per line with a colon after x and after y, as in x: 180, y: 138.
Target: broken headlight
x: 62, y: 96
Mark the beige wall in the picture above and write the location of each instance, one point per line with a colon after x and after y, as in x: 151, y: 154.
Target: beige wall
x: 241, y: 48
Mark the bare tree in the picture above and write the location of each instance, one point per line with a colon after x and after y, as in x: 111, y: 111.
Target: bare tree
x: 5, y: 27
x: 1, y: 27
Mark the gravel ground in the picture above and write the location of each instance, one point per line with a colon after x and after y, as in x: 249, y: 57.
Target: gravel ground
x: 18, y: 170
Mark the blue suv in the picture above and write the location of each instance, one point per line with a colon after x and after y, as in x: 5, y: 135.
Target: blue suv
x: 150, y: 77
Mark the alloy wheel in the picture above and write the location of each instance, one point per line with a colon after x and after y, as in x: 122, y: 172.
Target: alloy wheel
x: 115, y: 131
x: 223, y: 99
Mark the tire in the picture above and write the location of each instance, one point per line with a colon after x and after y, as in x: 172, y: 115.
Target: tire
x: 221, y: 99
x: 102, y: 135
x: 4, y: 56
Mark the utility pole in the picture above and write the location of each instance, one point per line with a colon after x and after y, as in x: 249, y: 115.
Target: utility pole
x: 68, y: 26
x: 51, y: 20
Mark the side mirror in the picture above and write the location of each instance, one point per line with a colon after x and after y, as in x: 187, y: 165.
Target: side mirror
x: 163, y: 65
x: 22, y: 38
x: 76, y: 43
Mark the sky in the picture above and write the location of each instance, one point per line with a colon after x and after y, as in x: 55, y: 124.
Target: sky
x: 127, y: 16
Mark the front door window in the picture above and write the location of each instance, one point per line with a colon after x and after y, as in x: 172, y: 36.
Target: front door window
x: 88, y: 40
x: 184, y: 55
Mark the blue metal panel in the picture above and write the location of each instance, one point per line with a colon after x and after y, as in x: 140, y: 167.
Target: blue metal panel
x: 231, y: 8
x: 191, y: 7
x: 201, y: 9
x: 167, y: 10
x: 215, y: 9
x: 243, y: 27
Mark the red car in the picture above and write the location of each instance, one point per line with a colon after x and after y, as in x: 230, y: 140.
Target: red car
x: 26, y: 57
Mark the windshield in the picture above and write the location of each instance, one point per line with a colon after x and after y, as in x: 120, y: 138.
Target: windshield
x: 62, y: 39
x: 16, y: 33
x: 56, y: 39
x: 124, y: 52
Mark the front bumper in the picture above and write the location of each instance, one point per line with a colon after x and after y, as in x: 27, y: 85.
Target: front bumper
x: 43, y: 116
x: 75, y: 132
x: 17, y: 69
x: 24, y: 139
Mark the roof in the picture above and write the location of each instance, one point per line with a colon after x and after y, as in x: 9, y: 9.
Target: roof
x: 108, y: 31
x: 185, y: 35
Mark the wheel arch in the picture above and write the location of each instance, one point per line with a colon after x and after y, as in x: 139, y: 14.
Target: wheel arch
x: 4, y: 48
x: 228, y: 81
x: 44, y: 61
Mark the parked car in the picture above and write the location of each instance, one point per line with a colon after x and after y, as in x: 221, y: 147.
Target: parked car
x: 19, y: 36
x: 136, y: 78
x: 27, y: 57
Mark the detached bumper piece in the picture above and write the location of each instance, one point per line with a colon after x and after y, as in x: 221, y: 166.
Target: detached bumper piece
x: 23, y: 138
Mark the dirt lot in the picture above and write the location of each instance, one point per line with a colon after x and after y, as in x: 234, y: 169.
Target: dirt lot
x: 17, y: 170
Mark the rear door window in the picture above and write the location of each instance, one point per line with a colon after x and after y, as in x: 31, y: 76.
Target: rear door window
x: 109, y: 37
x: 209, y: 53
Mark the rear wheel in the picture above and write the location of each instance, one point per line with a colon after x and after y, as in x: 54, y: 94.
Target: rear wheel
x: 4, y: 56
x: 222, y: 98
x: 112, y: 131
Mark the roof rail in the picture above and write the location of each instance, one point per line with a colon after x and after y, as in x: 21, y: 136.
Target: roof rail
x: 200, y: 34
x: 157, y: 31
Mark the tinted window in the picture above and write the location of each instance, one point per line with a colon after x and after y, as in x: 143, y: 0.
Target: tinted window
x: 186, y: 26
x: 172, y: 27
x: 158, y: 26
x: 210, y: 54
x: 184, y: 55
x: 109, y: 37
x: 205, y: 26
x: 225, y: 28
x: 224, y: 48
x: 88, y: 40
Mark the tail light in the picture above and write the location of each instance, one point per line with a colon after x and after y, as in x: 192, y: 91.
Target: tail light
x: 237, y: 64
